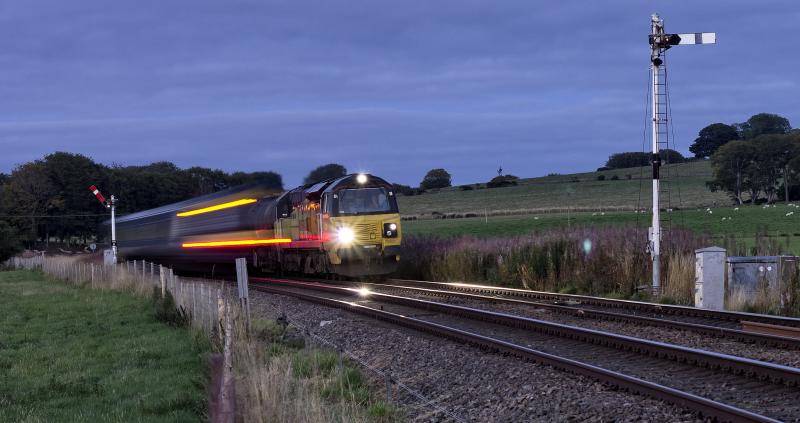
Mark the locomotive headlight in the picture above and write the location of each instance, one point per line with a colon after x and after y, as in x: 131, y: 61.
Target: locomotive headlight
x: 390, y: 230
x: 345, y: 235
x: 361, y: 178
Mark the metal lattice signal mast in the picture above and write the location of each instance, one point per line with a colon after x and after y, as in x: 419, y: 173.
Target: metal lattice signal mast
x: 659, y: 43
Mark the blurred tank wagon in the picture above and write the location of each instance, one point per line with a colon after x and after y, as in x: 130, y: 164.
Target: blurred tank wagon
x: 347, y: 226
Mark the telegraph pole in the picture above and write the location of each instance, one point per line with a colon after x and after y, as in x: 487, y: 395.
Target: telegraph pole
x: 109, y: 204
x: 659, y: 43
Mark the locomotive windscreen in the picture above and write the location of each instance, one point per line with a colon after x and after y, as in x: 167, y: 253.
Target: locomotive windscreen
x: 364, y: 201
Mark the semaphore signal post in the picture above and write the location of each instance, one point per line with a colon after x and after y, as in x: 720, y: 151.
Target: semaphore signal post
x: 109, y: 203
x: 659, y: 43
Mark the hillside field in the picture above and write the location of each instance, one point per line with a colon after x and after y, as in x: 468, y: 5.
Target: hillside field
x: 781, y: 223
x: 581, y: 199
x: 579, y: 191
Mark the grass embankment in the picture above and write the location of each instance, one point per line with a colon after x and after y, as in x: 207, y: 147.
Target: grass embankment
x: 580, y: 191
x: 724, y: 225
x: 595, y: 260
x: 69, y: 353
x: 288, y: 381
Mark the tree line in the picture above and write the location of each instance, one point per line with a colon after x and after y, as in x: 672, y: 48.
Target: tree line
x: 637, y: 159
x: 753, y: 161
x: 49, y: 199
x: 764, y: 168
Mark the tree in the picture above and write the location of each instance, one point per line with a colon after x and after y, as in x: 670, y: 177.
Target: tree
x: 732, y: 166
x: 670, y: 156
x: 28, y: 193
x: 70, y: 176
x: 793, y: 172
x: 9, y: 241
x: 775, y: 152
x: 435, y: 178
x: 271, y: 180
x: 711, y: 138
x: 325, y: 172
x: 764, y: 123
x: 205, y: 180
x: 502, y: 181
x: 628, y: 159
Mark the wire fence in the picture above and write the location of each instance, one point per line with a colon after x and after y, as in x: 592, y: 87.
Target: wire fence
x: 213, y: 307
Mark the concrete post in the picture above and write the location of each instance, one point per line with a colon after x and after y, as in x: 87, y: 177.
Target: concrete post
x: 709, y: 285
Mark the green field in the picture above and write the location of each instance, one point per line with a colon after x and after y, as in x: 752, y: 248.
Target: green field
x: 577, y: 191
x: 75, y: 354
x: 741, y: 224
x: 581, y: 199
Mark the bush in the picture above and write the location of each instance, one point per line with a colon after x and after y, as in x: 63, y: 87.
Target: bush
x: 601, y: 177
x: 614, y: 177
x: 403, y: 189
x: 435, y: 178
x: 325, y: 172
x: 628, y: 159
x: 502, y: 181
x: 466, y: 188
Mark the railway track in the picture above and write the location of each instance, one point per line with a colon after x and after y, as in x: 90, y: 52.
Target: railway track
x: 718, y: 318
x: 715, y: 385
x: 746, y: 331
x: 775, y: 335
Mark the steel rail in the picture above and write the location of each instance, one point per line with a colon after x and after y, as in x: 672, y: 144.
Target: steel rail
x: 705, y: 407
x: 731, y: 316
x: 772, y: 339
x: 779, y: 336
x: 737, y: 365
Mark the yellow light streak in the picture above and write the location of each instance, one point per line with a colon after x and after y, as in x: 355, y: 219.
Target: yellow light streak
x: 238, y: 242
x: 218, y: 207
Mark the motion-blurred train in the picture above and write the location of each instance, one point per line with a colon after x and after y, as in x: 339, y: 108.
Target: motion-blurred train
x: 346, y: 226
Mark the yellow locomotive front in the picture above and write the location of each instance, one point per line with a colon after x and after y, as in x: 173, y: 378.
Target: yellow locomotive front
x: 361, y: 215
x: 348, y: 226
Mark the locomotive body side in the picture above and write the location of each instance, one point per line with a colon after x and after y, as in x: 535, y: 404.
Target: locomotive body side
x: 161, y: 234
x: 348, y: 226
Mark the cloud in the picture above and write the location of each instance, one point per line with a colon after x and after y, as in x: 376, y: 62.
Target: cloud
x: 396, y: 89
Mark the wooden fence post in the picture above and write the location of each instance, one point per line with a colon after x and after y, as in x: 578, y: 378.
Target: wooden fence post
x: 163, y: 278
x: 241, y: 282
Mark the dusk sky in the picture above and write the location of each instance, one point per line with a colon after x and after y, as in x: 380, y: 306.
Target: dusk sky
x: 393, y: 88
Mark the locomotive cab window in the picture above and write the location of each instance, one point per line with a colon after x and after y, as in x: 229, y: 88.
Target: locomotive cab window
x: 365, y: 201
x: 284, y: 207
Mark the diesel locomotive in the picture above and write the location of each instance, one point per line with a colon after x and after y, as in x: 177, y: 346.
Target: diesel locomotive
x: 346, y: 226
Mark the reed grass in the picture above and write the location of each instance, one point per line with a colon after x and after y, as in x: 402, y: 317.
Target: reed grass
x: 284, y: 380
x: 588, y: 260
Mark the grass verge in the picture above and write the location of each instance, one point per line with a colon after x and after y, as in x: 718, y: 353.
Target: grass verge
x: 69, y: 353
x: 283, y: 380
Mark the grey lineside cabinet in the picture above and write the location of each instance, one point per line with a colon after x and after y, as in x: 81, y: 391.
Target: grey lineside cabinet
x: 752, y: 276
